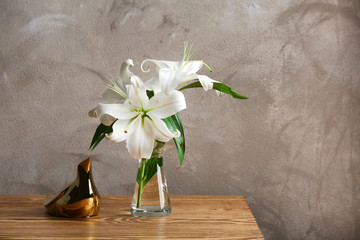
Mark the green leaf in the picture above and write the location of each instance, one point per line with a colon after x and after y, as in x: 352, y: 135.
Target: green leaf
x: 149, y: 171
x: 217, y: 86
x: 174, y: 123
x: 100, y: 133
x: 228, y: 90
x: 149, y: 93
x: 191, y: 85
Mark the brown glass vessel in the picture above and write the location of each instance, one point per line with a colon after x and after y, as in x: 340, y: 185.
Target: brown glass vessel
x: 78, y: 199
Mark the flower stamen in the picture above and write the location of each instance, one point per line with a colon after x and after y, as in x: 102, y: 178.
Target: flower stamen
x: 114, y: 87
x: 207, y: 66
x: 188, y: 52
x: 132, y: 121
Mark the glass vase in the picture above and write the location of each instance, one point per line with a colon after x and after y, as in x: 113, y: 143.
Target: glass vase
x: 151, y: 197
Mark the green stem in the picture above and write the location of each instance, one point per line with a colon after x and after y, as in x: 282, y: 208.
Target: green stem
x: 141, y: 184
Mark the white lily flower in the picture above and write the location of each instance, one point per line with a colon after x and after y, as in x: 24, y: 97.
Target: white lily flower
x: 172, y: 74
x: 116, y: 92
x: 139, y: 118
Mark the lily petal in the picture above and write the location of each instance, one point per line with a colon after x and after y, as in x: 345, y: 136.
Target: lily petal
x: 153, y: 84
x: 140, y: 142
x: 122, y: 83
x: 106, y: 119
x: 219, y: 94
x: 93, y: 112
x: 125, y: 73
x: 206, y: 82
x: 119, y: 111
x: 169, y: 79
x: 189, y: 77
x: 161, y: 64
x: 118, y: 133
x: 192, y: 67
x: 137, y: 93
x: 163, y: 106
x: 160, y: 131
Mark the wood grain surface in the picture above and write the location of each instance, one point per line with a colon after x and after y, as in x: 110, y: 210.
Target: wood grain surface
x: 192, y: 217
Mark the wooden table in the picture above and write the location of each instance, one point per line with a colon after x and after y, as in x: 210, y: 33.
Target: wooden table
x: 192, y: 217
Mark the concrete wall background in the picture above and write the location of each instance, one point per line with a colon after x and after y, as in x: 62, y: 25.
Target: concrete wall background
x: 292, y: 149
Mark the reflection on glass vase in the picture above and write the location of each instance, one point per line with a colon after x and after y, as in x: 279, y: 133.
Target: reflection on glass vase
x: 151, y: 197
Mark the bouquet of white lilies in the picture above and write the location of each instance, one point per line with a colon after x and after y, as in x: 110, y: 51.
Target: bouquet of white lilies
x: 146, y: 114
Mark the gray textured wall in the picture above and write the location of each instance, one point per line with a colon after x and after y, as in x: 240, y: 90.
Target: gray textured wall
x: 292, y: 149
